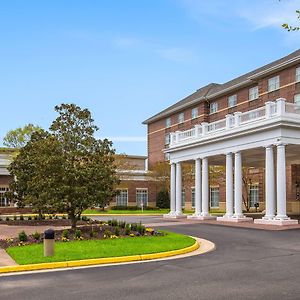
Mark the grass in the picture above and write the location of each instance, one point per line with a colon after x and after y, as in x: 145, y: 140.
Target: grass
x: 76, y: 250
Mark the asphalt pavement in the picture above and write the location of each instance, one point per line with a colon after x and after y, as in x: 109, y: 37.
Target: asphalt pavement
x: 247, y: 264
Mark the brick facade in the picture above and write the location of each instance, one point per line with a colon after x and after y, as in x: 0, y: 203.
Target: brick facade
x: 288, y: 89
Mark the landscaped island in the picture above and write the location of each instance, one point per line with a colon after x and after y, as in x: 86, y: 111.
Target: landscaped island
x: 96, y: 240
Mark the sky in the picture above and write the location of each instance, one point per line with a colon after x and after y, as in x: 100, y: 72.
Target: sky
x: 126, y: 60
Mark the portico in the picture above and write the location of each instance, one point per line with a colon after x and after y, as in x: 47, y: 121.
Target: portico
x: 268, y: 137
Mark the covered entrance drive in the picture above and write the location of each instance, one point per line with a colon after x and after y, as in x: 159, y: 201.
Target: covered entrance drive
x: 266, y: 137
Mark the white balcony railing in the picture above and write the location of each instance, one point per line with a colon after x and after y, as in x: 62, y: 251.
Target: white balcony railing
x: 271, y: 110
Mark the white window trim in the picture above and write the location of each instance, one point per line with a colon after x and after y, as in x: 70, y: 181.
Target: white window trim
x: 217, y: 108
x: 254, y: 87
x: 193, y: 188
x: 297, y: 74
x: 197, y: 115
x: 122, y: 189
x: 180, y: 121
x: 141, y: 189
x: 168, y: 122
x: 253, y: 184
x: 214, y: 186
x: 276, y: 88
x: 232, y: 97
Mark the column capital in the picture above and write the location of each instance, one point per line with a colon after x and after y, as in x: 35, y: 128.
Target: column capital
x: 269, y: 146
x: 280, y: 144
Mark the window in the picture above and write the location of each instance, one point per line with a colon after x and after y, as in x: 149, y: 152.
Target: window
x: 193, y: 197
x: 213, y: 107
x: 232, y: 101
x: 253, y: 194
x: 214, y: 196
x: 122, y: 198
x: 183, y: 198
x: 253, y: 93
x: 181, y: 118
x: 273, y: 84
x: 195, y: 113
x: 3, y: 199
x: 168, y: 122
x: 167, y: 138
x: 141, y: 197
x: 297, y: 99
x: 298, y: 74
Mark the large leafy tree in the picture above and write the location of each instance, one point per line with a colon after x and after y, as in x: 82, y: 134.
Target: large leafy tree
x: 66, y: 169
x: 17, y: 138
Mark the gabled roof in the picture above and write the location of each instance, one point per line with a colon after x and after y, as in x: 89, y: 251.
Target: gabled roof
x: 213, y: 90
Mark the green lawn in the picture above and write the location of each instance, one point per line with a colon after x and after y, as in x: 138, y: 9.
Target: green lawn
x: 76, y: 250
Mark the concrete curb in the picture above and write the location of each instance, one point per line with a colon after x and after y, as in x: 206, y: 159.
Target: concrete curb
x: 99, y: 261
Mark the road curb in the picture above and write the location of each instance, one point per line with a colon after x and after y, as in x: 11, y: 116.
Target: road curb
x: 99, y: 261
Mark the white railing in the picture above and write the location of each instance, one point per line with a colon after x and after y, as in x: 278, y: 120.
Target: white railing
x: 271, y: 109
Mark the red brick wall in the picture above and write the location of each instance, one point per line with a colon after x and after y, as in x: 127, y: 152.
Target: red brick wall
x: 157, y: 130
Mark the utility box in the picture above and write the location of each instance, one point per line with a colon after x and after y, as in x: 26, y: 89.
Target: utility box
x: 49, y: 242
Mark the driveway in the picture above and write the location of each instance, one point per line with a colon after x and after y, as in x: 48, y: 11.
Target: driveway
x: 247, y: 264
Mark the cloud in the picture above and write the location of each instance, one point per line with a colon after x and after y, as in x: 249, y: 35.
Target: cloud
x: 127, y: 139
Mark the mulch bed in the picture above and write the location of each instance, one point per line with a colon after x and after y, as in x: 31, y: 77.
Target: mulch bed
x: 41, y: 222
x: 94, y: 231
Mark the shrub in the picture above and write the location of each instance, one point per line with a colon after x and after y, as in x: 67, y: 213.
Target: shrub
x: 63, y: 217
x: 36, y: 217
x: 65, y: 233
x: 56, y: 217
x: 141, y: 229
x: 122, y: 224
x: 93, y: 233
x: 107, y: 233
x: 84, y: 218
x: 15, y: 218
x: 78, y: 234
x: 127, y: 230
x: 43, y: 217
x: 109, y: 222
x: 117, y: 231
x: 36, y: 236
x: 29, y: 218
x: 114, y: 223
x: 23, y: 236
x: 50, y: 217
x: 7, y: 219
x: 133, y: 226
x: 21, y: 217
x: 163, y: 199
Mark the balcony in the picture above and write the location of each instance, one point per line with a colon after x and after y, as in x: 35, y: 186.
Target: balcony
x: 271, y: 112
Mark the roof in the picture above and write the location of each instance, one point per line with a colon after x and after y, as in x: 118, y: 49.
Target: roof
x: 213, y: 90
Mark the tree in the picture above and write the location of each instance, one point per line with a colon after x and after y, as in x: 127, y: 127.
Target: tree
x: 66, y: 169
x: 163, y: 199
x: 290, y: 27
x: 17, y: 138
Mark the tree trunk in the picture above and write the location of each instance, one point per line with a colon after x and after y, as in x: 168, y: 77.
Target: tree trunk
x: 73, y: 220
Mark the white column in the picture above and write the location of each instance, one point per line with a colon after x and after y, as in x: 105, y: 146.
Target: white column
x: 238, y: 186
x: 172, y: 189
x: 270, y: 184
x: 205, y: 188
x: 281, y: 183
x: 198, y: 194
x: 229, y: 185
x: 178, y: 190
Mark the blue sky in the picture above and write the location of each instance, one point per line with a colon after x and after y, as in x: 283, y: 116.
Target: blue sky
x: 126, y: 60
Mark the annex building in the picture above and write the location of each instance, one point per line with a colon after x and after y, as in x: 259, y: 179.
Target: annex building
x: 241, y: 142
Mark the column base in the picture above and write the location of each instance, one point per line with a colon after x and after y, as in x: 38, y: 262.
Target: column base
x: 279, y: 222
x: 195, y: 216
x: 235, y: 219
x: 174, y: 216
x: 205, y: 217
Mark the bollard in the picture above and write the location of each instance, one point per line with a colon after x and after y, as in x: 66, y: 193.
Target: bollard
x: 49, y: 242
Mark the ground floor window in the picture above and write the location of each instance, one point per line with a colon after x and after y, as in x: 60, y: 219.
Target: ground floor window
x: 122, y: 198
x: 253, y: 194
x: 193, y: 197
x: 214, y: 196
x: 141, y: 197
x: 183, y: 198
x: 3, y: 199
